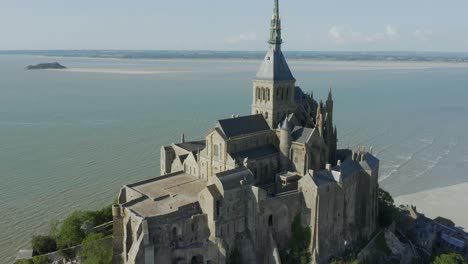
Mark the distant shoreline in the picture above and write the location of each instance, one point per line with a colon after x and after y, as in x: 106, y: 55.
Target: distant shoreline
x: 455, y: 57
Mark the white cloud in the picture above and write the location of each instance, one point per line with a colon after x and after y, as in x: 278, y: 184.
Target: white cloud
x: 423, y: 35
x: 340, y: 35
x: 242, y: 37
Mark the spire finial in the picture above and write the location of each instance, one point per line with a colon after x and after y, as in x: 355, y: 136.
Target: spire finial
x: 275, y: 32
x: 182, y: 138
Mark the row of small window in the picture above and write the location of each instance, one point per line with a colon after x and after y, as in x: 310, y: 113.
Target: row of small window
x: 263, y: 94
x: 261, y: 112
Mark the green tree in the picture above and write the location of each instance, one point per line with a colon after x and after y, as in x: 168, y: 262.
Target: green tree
x: 71, y: 233
x: 234, y: 257
x: 386, y: 208
x: 299, y: 243
x: 95, y: 250
x: 40, y: 260
x: 43, y: 244
x: 451, y: 258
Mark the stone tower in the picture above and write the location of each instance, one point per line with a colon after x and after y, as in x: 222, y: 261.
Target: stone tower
x: 274, y: 85
x: 284, y: 145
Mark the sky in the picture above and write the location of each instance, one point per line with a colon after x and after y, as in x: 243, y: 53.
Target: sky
x: 308, y: 25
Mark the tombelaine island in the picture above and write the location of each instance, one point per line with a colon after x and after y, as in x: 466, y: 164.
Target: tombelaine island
x: 46, y: 66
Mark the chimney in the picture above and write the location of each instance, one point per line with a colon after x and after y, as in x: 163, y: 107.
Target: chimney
x: 338, y: 163
x: 328, y: 167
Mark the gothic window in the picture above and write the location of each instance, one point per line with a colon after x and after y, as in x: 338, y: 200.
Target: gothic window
x: 263, y: 94
x: 221, y: 150
x: 258, y: 93
x: 216, y: 150
x: 256, y: 112
x: 270, y: 220
x: 268, y: 94
x: 218, y: 207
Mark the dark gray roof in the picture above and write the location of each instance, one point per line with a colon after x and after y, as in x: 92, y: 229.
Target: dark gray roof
x: 192, y: 146
x: 301, y: 134
x: 274, y: 66
x: 214, y: 191
x: 255, y: 153
x: 232, y: 178
x: 298, y: 94
x: 323, y: 177
x: 242, y: 125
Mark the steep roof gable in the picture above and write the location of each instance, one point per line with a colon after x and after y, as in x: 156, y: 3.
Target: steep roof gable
x: 244, y: 125
x: 274, y: 66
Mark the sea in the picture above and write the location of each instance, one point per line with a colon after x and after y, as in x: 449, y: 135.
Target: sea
x: 70, y: 139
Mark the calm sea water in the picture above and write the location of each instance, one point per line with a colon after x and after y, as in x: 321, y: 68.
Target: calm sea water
x: 70, y: 139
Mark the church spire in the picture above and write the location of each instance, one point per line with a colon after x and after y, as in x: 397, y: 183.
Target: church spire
x: 275, y: 32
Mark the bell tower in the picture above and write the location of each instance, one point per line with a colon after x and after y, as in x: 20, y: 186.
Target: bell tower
x: 274, y: 85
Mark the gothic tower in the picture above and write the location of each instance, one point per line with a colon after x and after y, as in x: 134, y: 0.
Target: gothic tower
x: 274, y: 85
x: 330, y: 131
x: 285, y: 145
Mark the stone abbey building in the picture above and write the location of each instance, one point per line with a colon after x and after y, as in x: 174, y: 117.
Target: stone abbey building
x: 241, y: 187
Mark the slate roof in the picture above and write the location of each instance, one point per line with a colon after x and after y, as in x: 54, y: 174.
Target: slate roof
x: 255, y: 153
x: 274, y: 66
x: 242, y: 125
x: 301, y: 134
x: 192, y: 146
x: 231, y: 179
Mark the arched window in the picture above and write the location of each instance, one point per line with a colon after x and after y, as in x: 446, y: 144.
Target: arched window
x: 266, y: 115
x: 258, y: 93
x: 263, y: 94
x: 268, y: 94
x: 218, y: 208
x: 174, y: 233
x: 216, y: 150
x: 270, y: 220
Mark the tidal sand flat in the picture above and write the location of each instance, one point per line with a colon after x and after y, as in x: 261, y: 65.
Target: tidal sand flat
x: 449, y: 202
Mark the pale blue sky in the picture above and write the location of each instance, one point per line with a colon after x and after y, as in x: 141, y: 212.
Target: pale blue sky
x: 363, y: 25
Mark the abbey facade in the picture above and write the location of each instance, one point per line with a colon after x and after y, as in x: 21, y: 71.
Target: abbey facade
x: 240, y: 189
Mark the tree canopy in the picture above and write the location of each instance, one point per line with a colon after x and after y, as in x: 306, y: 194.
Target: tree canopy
x: 95, y: 250
x: 43, y: 244
x: 386, y: 208
x: 450, y: 258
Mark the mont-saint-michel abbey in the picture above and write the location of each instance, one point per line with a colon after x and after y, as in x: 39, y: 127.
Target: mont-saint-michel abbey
x: 242, y: 186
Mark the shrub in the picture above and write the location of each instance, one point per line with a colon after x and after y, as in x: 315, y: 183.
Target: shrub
x: 67, y: 253
x: 95, y: 250
x: 41, y: 260
x: 450, y: 258
x: 71, y: 233
x: 43, y: 244
x: 234, y: 257
x: 79, y: 224
x: 298, y: 245
x: 386, y: 208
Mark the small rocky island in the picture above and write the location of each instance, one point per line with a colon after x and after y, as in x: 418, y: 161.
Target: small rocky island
x: 45, y: 66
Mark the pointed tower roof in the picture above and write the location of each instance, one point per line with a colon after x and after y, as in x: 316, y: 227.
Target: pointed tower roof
x: 285, y: 124
x: 274, y: 67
